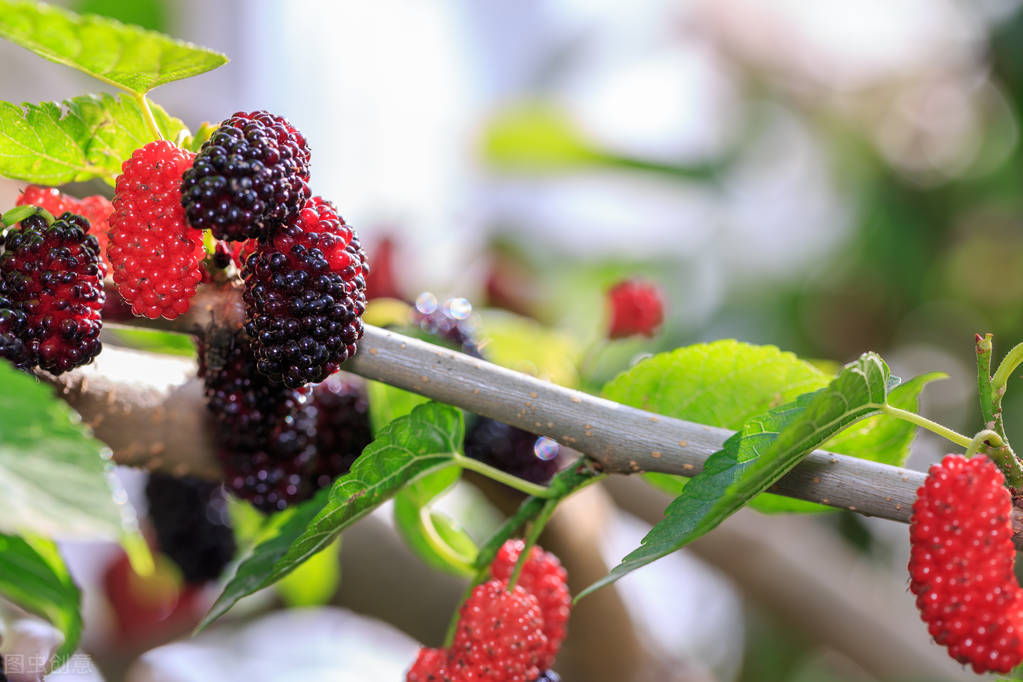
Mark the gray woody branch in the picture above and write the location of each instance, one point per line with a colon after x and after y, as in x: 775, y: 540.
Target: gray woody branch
x: 165, y: 415
x: 621, y: 439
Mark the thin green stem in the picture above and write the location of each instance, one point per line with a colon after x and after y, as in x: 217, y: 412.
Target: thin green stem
x: 19, y: 213
x: 457, y: 560
x: 568, y: 482
x: 1012, y: 360
x: 534, y: 533
x: 984, y: 390
x: 994, y: 445
x: 925, y: 423
x: 449, y: 634
x: 985, y: 437
x: 147, y: 114
x: 502, y: 477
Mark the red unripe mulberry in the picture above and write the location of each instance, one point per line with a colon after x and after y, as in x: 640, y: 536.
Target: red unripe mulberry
x: 637, y: 307
x: 961, y: 564
x: 156, y: 256
x: 545, y: 578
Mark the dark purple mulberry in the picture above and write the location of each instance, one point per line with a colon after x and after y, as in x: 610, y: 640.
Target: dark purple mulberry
x: 192, y: 526
x: 448, y: 321
x: 343, y: 427
x: 266, y: 434
x: 53, y: 275
x: 278, y: 445
x: 506, y: 447
x: 304, y: 295
x: 520, y: 453
x: 248, y: 178
x: 12, y: 325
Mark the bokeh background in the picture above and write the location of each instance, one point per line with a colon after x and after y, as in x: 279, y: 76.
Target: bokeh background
x: 828, y: 177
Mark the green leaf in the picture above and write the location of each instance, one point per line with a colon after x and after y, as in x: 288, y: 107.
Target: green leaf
x: 410, y: 447
x: 314, y: 582
x: 535, y: 137
x: 526, y: 346
x: 764, y: 450
x: 723, y: 383
x: 272, y: 543
x: 55, y: 479
x: 387, y: 403
x: 150, y: 14
x: 33, y: 576
x: 194, y: 142
x: 127, y: 57
x: 152, y: 340
x: 881, y: 438
x: 54, y: 143
x: 435, y: 538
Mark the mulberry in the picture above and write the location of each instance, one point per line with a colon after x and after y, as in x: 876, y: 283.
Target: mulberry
x: 637, y: 307
x: 304, y: 295
x: 156, y: 258
x: 96, y: 209
x: 249, y: 177
x: 191, y: 522
x: 266, y: 434
x: 961, y: 564
x: 545, y: 578
x: 51, y: 282
x: 499, y: 636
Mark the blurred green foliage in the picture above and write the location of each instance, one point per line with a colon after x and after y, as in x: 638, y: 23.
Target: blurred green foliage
x: 928, y: 261
x: 152, y: 340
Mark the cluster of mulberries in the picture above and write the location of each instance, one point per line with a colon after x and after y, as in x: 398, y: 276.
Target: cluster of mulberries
x: 505, y: 635
x: 304, y: 275
x: 303, y: 267
x: 279, y: 445
x: 51, y: 294
x: 189, y: 516
x: 248, y: 185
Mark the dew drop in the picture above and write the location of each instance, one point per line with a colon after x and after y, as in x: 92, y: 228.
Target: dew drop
x: 546, y: 448
x: 458, y: 308
x: 426, y: 303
